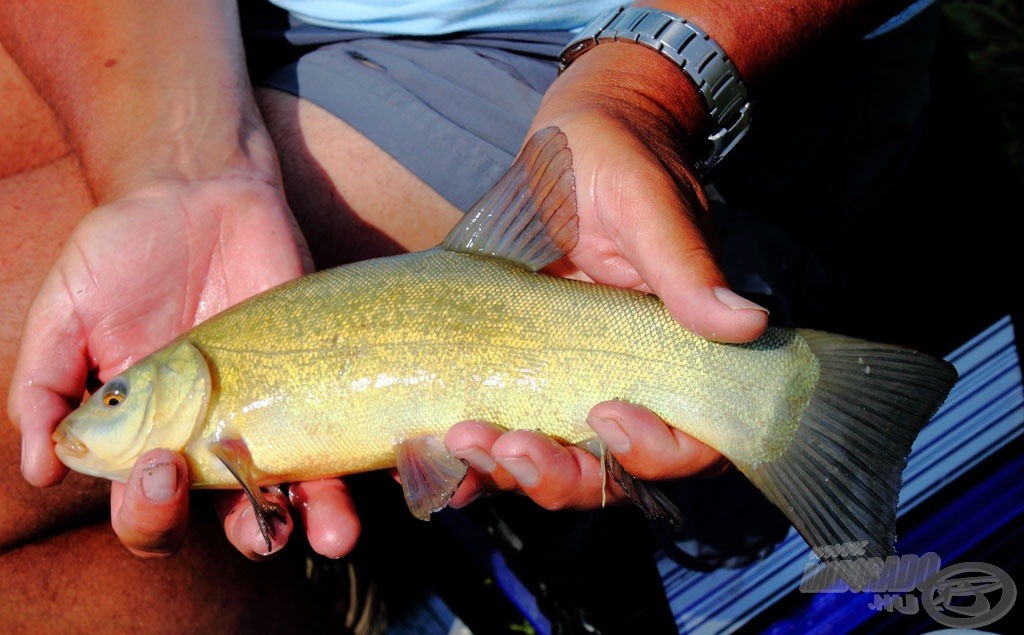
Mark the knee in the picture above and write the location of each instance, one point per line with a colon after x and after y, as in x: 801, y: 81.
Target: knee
x: 29, y: 133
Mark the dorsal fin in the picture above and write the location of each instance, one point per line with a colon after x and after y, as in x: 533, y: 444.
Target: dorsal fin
x: 529, y: 216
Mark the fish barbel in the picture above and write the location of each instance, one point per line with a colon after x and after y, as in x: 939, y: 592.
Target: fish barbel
x: 366, y: 366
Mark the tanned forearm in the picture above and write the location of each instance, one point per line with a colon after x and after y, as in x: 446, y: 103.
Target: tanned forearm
x: 145, y: 89
x: 761, y: 37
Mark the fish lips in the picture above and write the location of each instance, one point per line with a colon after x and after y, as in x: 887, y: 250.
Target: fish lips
x: 67, y: 444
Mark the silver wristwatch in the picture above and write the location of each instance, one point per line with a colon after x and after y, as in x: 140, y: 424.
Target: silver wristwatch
x: 690, y: 48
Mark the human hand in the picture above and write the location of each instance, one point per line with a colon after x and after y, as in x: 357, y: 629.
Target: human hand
x: 644, y: 224
x: 135, y: 273
x: 557, y: 476
x: 644, y: 218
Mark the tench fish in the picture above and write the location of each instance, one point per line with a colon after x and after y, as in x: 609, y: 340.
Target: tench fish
x: 367, y: 365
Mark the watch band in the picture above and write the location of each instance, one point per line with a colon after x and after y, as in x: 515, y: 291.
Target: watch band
x: 696, y: 54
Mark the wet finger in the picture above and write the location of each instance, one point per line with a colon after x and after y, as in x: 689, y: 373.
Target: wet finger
x: 555, y: 476
x: 650, y: 449
x: 328, y: 513
x: 149, y: 513
x: 242, y: 527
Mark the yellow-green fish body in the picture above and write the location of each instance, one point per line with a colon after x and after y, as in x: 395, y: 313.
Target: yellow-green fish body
x: 366, y: 366
x: 326, y: 374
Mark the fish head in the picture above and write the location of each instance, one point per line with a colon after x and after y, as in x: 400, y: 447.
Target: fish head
x: 160, y: 402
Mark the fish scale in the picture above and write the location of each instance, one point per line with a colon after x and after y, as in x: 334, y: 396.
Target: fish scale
x: 366, y: 366
x: 343, y: 365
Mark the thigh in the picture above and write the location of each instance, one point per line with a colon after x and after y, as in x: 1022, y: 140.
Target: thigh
x: 42, y: 195
x: 353, y: 200
x: 83, y: 581
x: 29, y: 134
x: 62, y: 567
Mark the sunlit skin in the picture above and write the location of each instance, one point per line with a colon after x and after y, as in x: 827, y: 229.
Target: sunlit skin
x: 170, y: 176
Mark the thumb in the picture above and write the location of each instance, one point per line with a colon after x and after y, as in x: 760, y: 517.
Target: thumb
x: 673, y: 256
x: 149, y: 512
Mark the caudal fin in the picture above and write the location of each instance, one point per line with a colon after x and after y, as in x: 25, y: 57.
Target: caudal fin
x: 839, y: 481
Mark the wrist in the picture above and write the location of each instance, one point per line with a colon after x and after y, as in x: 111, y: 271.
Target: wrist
x: 693, y: 52
x: 185, y: 135
x: 639, y: 87
x: 725, y: 22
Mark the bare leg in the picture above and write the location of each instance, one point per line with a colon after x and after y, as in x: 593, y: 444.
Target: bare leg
x: 62, y: 567
x: 42, y: 196
x: 353, y: 200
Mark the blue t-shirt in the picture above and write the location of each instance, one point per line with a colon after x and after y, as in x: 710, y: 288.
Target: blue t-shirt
x: 439, y: 17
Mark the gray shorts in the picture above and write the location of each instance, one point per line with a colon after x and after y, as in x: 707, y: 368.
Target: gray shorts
x: 453, y: 110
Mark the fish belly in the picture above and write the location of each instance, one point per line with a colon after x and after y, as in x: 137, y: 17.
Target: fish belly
x: 323, y: 376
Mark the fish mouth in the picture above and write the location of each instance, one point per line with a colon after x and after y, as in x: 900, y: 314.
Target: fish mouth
x: 68, y: 442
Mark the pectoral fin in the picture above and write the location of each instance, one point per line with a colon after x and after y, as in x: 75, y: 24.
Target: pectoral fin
x: 235, y: 456
x: 430, y: 475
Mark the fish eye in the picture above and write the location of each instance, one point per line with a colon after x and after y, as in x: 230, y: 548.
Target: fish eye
x: 115, y: 393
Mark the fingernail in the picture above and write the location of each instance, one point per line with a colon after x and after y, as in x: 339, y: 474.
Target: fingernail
x: 159, y: 482
x: 256, y: 543
x: 297, y: 496
x: 611, y: 433
x: 522, y: 469
x: 480, y: 460
x: 736, y: 302
x: 24, y: 459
